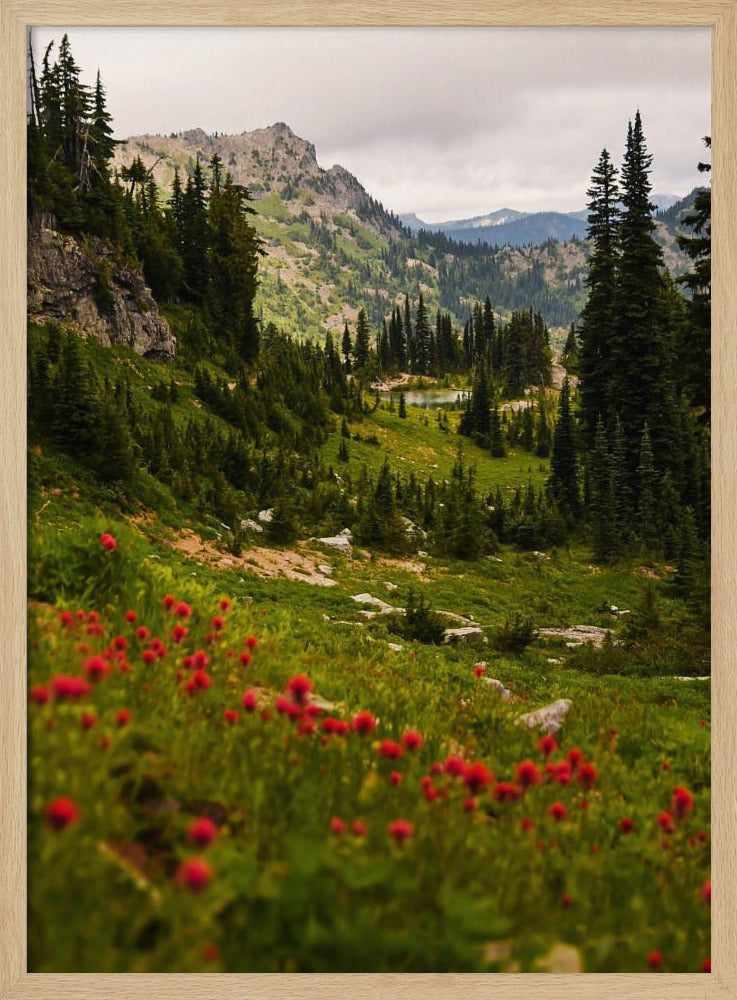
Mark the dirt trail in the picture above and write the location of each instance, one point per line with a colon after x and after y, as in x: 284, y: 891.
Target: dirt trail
x: 265, y: 563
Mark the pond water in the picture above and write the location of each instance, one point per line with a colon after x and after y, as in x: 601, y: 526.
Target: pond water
x: 429, y: 399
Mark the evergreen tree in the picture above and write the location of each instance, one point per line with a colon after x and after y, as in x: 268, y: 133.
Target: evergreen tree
x: 648, y: 513
x: 496, y: 438
x: 361, y: 352
x: 602, y: 505
x: 347, y: 345
x: 564, y: 465
x: 598, y: 317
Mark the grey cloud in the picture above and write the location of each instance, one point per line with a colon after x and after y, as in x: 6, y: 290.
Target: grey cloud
x: 444, y: 122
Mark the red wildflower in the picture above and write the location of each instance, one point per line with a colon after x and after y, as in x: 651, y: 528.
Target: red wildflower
x: 67, y: 619
x: 168, y: 602
x: 527, y: 824
x: 364, y: 723
x: 547, y: 745
x: 81, y: 615
x: 87, y: 720
x: 245, y: 658
x: 96, y: 668
x: 655, y: 959
x: 626, y: 825
x: 131, y: 616
x: 558, y: 811
x: 436, y: 767
x: 122, y: 717
x: 218, y: 623
x: 395, y: 778
x: 390, y: 750
x: 68, y: 688
x: 706, y: 965
x: 527, y: 774
x: 401, y: 830
x: 682, y: 802
x: 250, y: 700
x: 299, y: 688
x: 469, y: 804
x: 665, y: 822
x: 148, y: 656
x: 306, y: 726
x: 39, y: 694
x: 194, y: 874
x: 359, y: 828
x: 202, y: 832
x: 120, y: 642
x: 251, y: 642
x: 93, y: 616
x: 224, y: 604
x: 182, y: 610
x: 108, y: 542
x: 574, y: 757
x: 565, y: 900
x: 477, y: 777
x: 230, y: 715
x: 455, y: 766
x: 286, y: 707
x: 178, y: 633
x: 665, y: 765
x: 504, y: 792
x: 587, y: 777
x: 412, y: 740
x: 201, y: 659
x: 200, y: 681
x: 337, y: 726
x: 337, y: 825
x: 142, y: 633
x: 479, y: 670
x: 61, y: 813
x: 706, y: 892
x: 562, y: 773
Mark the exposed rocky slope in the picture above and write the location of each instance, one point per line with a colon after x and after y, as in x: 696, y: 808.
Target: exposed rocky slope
x: 90, y: 286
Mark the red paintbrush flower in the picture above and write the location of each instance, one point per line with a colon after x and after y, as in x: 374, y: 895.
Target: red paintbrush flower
x: 477, y: 776
x: 202, y: 832
x: 547, y: 745
x: 390, y: 750
x: 182, y: 610
x: 250, y: 700
x: 400, y: 830
x: 194, y: 874
x: 364, y: 723
x: 587, y: 776
x: 61, y: 813
x: 122, y: 717
x: 299, y: 687
x: 527, y: 774
x: 412, y: 740
x: 108, y: 542
x: 682, y: 802
x: 626, y: 825
x: 558, y: 811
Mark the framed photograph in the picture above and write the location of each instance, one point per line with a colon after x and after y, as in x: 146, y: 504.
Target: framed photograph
x: 367, y: 510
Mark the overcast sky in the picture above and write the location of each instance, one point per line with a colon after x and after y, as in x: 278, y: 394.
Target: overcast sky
x: 444, y: 122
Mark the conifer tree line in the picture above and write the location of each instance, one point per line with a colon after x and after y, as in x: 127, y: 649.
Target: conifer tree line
x: 633, y: 458
x: 200, y: 248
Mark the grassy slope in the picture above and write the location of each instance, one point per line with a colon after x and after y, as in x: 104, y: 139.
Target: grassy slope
x: 472, y: 891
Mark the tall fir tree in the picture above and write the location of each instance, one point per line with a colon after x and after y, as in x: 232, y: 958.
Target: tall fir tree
x: 598, y: 317
x: 564, y: 481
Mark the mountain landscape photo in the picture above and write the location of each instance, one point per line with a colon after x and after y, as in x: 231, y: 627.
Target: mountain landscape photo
x: 369, y: 517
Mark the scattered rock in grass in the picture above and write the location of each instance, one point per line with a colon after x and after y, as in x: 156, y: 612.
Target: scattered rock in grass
x: 395, y: 647
x: 375, y: 602
x: 579, y: 635
x: 706, y: 677
x: 540, y: 555
x: 471, y: 634
x: 550, y: 717
x: 422, y: 554
x: 413, y: 532
x: 504, y: 693
x: 346, y: 533
x: 341, y: 543
x: 562, y: 958
x: 554, y: 661
x: 325, y: 569
x: 250, y: 525
x: 266, y: 516
x: 391, y: 586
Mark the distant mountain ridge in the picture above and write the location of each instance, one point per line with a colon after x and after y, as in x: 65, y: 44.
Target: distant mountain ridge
x: 508, y: 226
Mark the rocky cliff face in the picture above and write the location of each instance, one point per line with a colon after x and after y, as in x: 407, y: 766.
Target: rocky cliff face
x: 90, y: 286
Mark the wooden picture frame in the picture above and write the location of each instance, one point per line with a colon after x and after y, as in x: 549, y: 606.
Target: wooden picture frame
x: 15, y: 15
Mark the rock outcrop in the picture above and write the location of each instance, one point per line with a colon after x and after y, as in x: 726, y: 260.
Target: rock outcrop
x: 90, y: 286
